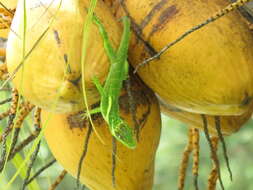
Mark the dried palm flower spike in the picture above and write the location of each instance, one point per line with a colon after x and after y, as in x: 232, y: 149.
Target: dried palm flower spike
x: 16, y: 115
x: 7, y: 9
x: 58, y: 180
x: 185, y: 160
x: 213, y: 126
x: 214, y: 173
x: 5, y: 18
x: 192, y: 146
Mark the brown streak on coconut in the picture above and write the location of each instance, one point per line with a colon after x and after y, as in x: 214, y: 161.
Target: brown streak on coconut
x: 151, y: 14
x: 163, y: 19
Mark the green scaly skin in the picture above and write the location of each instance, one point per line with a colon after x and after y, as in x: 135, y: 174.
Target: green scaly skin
x: 110, y: 92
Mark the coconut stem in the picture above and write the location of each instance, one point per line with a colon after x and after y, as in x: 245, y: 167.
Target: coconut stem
x: 114, y: 154
x: 42, y: 169
x: 29, y: 168
x: 213, y: 152
x: 85, y: 150
x: 218, y: 130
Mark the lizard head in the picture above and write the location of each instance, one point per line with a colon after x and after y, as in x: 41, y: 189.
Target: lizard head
x: 123, y: 133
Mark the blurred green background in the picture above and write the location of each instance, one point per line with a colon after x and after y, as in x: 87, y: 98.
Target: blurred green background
x: 173, y: 140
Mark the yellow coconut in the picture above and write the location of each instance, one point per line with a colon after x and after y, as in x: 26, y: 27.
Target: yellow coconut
x: 51, y: 73
x: 228, y: 124
x: 10, y: 4
x: 66, y: 135
x: 210, y: 71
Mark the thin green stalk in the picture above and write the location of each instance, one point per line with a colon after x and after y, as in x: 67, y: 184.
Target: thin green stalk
x: 85, y: 40
x: 21, y: 81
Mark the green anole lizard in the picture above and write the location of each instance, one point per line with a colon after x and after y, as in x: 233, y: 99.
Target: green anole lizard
x: 110, y: 92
